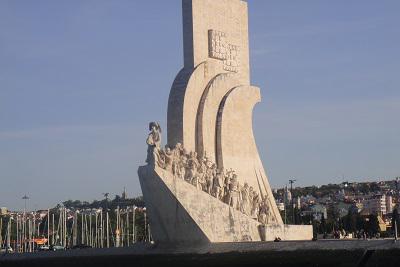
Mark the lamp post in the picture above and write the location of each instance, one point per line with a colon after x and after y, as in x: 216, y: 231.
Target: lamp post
x: 25, y: 198
x: 291, y: 192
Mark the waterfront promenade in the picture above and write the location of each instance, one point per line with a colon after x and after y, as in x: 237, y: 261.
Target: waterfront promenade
x: 375, y: 252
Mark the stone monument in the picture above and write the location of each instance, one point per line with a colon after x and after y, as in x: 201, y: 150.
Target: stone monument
x: 208, y: 184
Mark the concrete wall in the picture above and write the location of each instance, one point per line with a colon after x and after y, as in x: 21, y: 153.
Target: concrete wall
x: 288, y: 232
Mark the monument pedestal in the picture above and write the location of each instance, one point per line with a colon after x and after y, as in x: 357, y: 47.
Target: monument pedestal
x: 180, y: 213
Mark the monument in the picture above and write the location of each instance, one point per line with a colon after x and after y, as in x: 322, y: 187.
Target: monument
x: 208, y: 183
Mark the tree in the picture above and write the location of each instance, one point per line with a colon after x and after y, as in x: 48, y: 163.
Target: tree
x: 323, y: 224
x: 395, y: 218
x: 350, y: 221
x: 372, y: 225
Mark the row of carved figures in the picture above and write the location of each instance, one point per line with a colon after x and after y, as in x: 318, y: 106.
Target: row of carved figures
x: 206, y: 176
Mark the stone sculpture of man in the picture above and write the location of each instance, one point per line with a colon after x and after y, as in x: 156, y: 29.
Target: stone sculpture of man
x: 251, y: 198
x: 202, y: 169
x: 176, y: 157
x: 234, y: 193
x: 227, y: 181
x: 264, y: 213
x: 153, y: 143
x: 255, y: 205
x: 209, y: 176
x: 218, y: 184
x: 245, y: 194
x: 168, y: 158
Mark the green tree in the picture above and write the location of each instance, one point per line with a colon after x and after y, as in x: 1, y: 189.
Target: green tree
x: 323, y: 225
x: 372, y: 225
x: 350, y: 221
x: 395, y: 220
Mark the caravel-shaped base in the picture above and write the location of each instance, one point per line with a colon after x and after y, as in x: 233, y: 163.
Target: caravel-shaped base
x: 181, y: 213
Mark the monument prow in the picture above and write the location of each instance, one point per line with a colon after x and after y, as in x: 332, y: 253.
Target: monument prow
x: 209, y: 183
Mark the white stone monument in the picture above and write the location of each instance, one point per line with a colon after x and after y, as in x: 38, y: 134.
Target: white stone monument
x: 209, y: 184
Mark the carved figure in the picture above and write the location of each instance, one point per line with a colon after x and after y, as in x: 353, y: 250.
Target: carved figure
x: 256, y: 205
x: 202, y: 170
x: 209, y: 175
x: 182, y: 166
x: 176, y: 158
x: 264, y: 213
x: 167, y: 158
x: 153, y: 143
x: 218, y: 185
x: 251, y: 198
x: 192, y: 175
x: 245, y: 207
x: 228, y: 178
x: 204, y: 175
x: 234, y: 193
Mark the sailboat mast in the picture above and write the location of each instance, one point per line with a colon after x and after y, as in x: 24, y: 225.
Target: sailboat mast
x: 48, y: 227
x: 108, y: 230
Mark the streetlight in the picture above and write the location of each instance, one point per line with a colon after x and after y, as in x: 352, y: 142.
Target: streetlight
x: 291, y: 192
x: 25, y: 198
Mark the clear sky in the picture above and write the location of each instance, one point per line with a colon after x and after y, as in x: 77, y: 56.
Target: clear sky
x: 80, y: 80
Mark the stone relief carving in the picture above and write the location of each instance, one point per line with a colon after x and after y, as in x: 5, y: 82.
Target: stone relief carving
x: 217, y: 45
x: 206, y: 176
x: 219, y: 48
x: 153, y: 143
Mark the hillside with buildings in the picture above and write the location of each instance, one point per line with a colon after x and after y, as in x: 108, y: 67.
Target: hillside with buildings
x: 347, y: 206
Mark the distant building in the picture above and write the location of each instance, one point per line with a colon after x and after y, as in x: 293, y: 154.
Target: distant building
x: 298, y: 202
x: 317, y: 211
x: 309, y: 200
x: 357, y: 207
x: 124, y: 194
x: 342, y: 208
x: 376, y: 205
x: 3, y: 211
x: 389, y: 204
x: 382, y: 224
x: 398, y: 183
x: 281, y: 206
x: 287, y: 195
x: 341, y: 194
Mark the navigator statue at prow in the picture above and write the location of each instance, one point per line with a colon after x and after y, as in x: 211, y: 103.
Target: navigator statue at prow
x: 208, y: 184
x: 153, y: 143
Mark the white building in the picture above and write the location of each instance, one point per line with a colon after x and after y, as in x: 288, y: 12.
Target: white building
x: 287, y: 195
x: 389, y: 204
x: 376, y: 205
x: 298, y: 202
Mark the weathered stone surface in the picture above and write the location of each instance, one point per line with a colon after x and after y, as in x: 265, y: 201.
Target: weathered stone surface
x: 181, y: 213
x: 288, y: 232
x: 225, y: 16
x: 209, y: 104
x: 170, y: 222
x: 236, y: 146
x: 210, y: 113
x: 199, y: 18
x: 183, y: 103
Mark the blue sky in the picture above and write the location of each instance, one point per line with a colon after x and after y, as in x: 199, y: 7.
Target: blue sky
x: 80, y: 80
